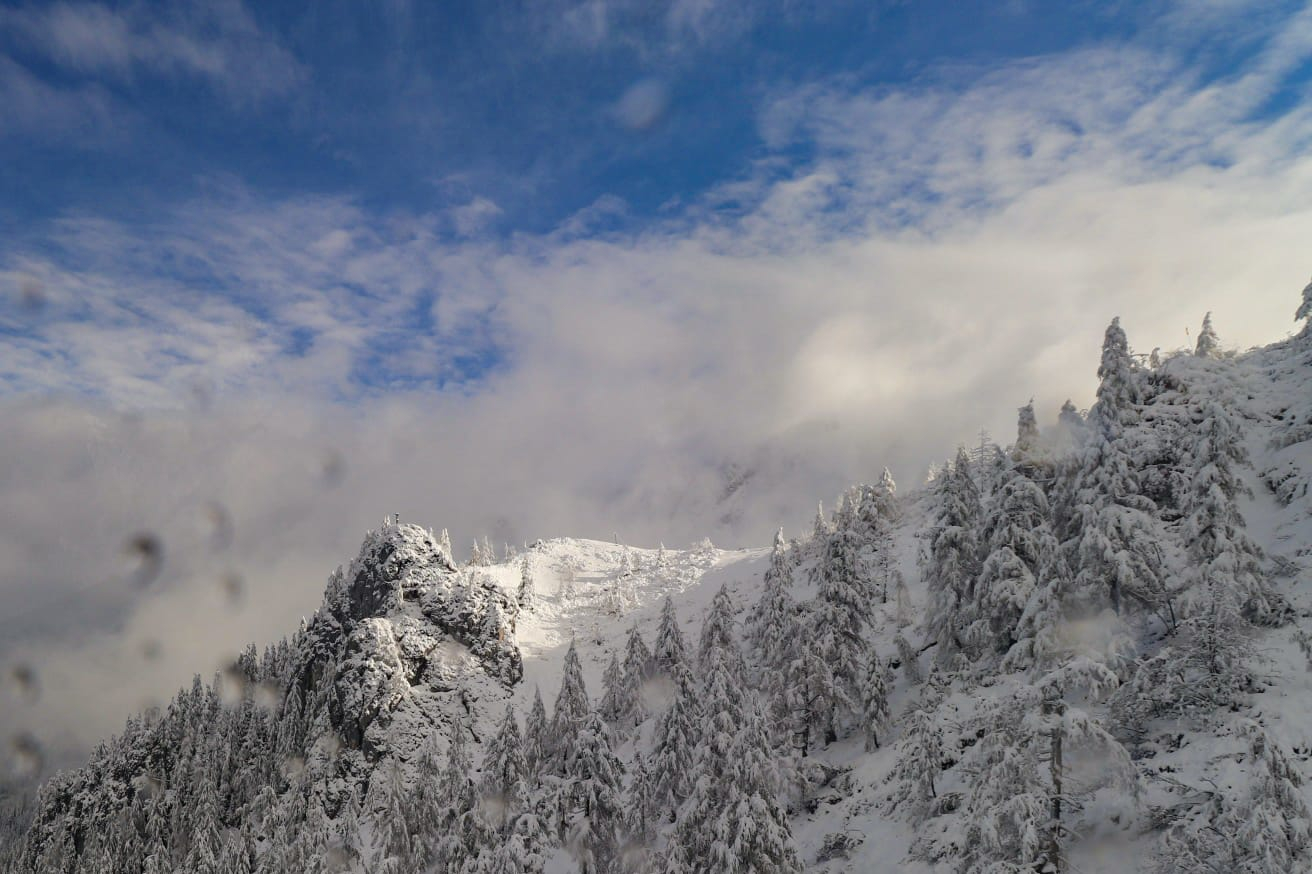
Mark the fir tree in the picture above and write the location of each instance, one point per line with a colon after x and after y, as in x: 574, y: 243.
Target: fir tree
x: 503, y: 788
x: 570, y: 712
x: 765, y: 622
x: 951, y: 564
x: 670, y: 649
x: 717, y: 629
x: 874, y: 701
x: 537, y: 736
x: 839, y: 617
x: 1209, y: 345
x: 919, y: 756
x: 637, y: 673
x: 595, y: 816
x: 1305, y: 306
x: 1112, y: 535
x: 1268, y: 830
x: 527, y: 594
x: 612, y: 704
x: 674, y: 742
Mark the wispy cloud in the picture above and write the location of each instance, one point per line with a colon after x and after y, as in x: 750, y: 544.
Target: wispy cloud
x: 218, y: 42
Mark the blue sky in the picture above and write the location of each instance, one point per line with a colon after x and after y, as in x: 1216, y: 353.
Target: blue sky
x: 418, y: 107
x: 571, y: 268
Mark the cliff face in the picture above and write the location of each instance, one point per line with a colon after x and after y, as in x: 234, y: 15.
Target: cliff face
x: 401, y: 628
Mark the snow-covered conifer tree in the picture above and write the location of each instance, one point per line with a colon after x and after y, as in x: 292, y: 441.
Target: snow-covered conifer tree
x: 1111, y: 532
x: 951, y: 563
x: 537, y: 736
x: 612, y: 703
x: 874, y: 701
x: 1214, y: 529
x: 674, y: 742
x: 1267, y: 830
x: 820, y: 530
x: 637, y: 672
x: 594, y: 793
x: 839, y: 617
x: 504, y: 783
x: 527, y: 595
x: 765, y: 622
x: 733, y: 821
x: 670, y: 649
x: 1209, y: 345
x: 919, y: 755
x: 717, y: 629
x: 570, y: 712
x: 1023, y: 555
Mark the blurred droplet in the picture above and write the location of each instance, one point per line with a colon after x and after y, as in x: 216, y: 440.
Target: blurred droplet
x: 233, y: 684
x: 31, y: 294
x: 220, y: 526
x: 330, y: 745
x: 202, y: 393
x: 147, y: 553
x: 268, y: 695
x: 147, y: 785
x: 337, y: 858
x: 151, y: 649
x: 26, y: 759
x: 233, y: 588
x: 643, y: 105
x: 292, y: 767
x: 23, y: 682
x: 332, y: 468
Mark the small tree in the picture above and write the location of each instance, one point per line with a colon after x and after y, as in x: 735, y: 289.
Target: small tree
x: 526, y: 596
x: 1209, y: 345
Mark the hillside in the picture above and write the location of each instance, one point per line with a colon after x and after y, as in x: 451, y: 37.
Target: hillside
x: 1087, y: 651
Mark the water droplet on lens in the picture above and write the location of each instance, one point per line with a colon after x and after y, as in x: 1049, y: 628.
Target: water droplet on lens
x: 147, y: 552
x: 233, y: 588
x: 220, y: 523
x: 26, y: 759
x: 332, y: 468
x: 31, y: 294
x: 24, y: 683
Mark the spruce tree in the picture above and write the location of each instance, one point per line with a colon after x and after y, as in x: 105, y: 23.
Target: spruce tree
x: 570, y: 712
x: 674, y: 743
x: 717, y: 629
x: 950, y: 566
x: 1111, y: 532
x: 1209, y: 345
x: 537, y: 736
x: 527, y: 594
x: 670, y: 649
x: 637, y: 673
x: 765, y: 621
x: 612, y: 704
x: 595, y: 812
x: 874, y: 701
x: 503, y: 788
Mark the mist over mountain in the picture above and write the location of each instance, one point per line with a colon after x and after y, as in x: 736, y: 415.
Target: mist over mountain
x: 1085, y: 650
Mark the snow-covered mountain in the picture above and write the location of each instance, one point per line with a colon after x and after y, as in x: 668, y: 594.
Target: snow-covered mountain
x: 1088, y: 651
